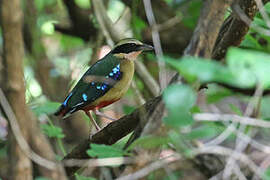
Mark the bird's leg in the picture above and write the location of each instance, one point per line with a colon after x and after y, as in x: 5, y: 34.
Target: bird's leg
x: 92, y: 120
x: 97, y: 112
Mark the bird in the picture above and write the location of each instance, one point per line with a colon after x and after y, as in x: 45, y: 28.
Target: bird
x: 105, y: 82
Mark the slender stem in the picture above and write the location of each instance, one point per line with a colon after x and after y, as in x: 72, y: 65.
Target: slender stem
x: 59, y: 140
x: 61, y: 146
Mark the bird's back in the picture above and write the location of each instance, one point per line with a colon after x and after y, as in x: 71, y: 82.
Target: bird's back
x: 103, y: 83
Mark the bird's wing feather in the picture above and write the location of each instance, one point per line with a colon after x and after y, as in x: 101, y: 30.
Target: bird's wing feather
x: 95, y: 82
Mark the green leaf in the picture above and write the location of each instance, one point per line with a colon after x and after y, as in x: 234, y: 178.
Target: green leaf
x: 195, y: 109
x: 190, y: 20
x: 46, y: 108
x: 179, y: 97
x: 266, y: 174
x: 249, y: 66
x: 84, y: 4
x: 148, y: 142
x: 204, y: 70
x: 139, y: 23
x: 42, y: 4
x: 245, y: 68
x: 104, y: 151
x: 259, y: 22
x: 180, y: 118
x: 48, y: 27
x: 264, y: 110
x: 39, y: 178
x: 251, y: 42
x: 178, y: 100
x: 176, y: 175
x: 52, y: 131
x: 80, y: 177
x: 128, y: 109
x: 204, y: 131
x: 70, y: 42
x: 178, y: 140
x: 236, y: 109
x: 216, y: 93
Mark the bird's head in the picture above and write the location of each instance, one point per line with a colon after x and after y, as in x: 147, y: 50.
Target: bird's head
x: 130, y: 48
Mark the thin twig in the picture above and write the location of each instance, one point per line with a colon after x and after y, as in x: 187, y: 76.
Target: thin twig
x: 114, y: 161
x: 222, y: 137
x: 19, y: 137
x: 148, y: 79
x: 138, y: 95
x: 150, y: 168
x: 169, y: 23
x: 240, y: 144
x: 231, y: 153
x: 163, y: 81
x: 263, y: 13
x: 231, y: 117
x: 237, y: 171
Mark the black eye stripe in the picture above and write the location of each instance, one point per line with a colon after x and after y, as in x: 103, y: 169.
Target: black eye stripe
x: 126, y: 48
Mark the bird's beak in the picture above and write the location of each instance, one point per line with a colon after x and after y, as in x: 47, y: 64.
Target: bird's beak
x: 146, y: 47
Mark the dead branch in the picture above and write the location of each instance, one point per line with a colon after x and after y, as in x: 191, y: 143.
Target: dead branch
x: 234, y: 28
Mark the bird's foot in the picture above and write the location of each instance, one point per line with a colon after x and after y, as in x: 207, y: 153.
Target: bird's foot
x: 93, y: 120
x: 98, y: 113
x: 91, y: 134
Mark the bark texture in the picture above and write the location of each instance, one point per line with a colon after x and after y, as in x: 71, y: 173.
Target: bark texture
x: 11, y: 19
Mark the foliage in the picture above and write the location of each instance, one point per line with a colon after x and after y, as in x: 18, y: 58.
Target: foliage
x: 244, y: 69
x: 41, y: 178
x: 46, y: 108
x: 80, y: 177
x: 149, y: 142
x: 104, y: 151
x: 179, y: 99
x: 52, y: 131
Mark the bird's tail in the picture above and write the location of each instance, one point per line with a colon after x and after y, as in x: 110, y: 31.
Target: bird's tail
x: 62, y: 111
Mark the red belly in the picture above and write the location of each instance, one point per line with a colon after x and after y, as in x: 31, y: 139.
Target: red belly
x: 100, y: 105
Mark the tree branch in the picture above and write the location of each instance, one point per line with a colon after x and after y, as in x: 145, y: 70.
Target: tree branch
x: 206, y: 32
x: 234, y: 28
x: 113, y: 132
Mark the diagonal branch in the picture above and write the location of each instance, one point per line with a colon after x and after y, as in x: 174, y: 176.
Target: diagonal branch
x: 113, y: 132
x: 235, y: 28
x: 206, y: 32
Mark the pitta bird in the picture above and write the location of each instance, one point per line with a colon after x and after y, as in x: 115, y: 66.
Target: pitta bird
x: 105, y: 82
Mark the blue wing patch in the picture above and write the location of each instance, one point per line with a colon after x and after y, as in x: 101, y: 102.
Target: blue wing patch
x: 84, y: 96
x: 66, y: 100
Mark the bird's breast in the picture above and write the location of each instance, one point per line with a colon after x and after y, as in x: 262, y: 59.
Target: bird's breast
x: 120, y: 88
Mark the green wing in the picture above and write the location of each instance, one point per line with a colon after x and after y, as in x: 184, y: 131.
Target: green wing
x: 93, y: 84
